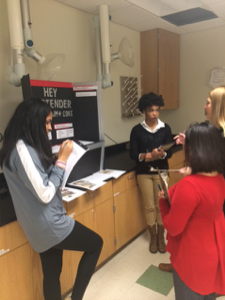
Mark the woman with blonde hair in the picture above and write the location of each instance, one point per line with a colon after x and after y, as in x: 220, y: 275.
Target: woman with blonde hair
x: 215, y: 108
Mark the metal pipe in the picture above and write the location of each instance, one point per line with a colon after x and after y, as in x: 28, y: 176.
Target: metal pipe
x: 27, y: 33
x: 16, y: 69
x: 98, y: 48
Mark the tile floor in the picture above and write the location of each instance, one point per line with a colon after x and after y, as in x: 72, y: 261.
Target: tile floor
x: 116, y: 280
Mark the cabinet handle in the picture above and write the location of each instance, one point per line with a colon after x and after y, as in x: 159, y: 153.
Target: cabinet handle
x: 130, y: 177
x: 3, y: 251
x: 116, y: 194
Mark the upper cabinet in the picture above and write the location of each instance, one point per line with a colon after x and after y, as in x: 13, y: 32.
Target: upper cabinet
x: 160, y: 56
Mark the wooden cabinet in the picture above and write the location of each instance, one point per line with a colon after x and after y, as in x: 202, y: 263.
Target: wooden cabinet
x: 129, y: 215
x: 160, y: 65
x: 176, y: 162
x: 11, y: 237
x: 16, y: 263
x: 114, y: 211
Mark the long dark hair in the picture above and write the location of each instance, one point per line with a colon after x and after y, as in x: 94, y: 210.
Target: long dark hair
x: 204, y: 148
x: 28, y: 124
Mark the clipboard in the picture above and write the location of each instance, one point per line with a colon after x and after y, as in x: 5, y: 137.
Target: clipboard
x: 167, y: 146
x: 164, y: 188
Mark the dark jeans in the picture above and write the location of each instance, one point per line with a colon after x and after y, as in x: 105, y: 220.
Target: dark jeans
x: 80, y: 239
x: 183, y: 292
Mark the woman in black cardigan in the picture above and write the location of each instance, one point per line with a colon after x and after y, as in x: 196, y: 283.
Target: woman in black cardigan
x: 145, y: 141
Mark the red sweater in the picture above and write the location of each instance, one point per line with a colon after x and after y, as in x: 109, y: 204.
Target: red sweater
x: 195, y: 227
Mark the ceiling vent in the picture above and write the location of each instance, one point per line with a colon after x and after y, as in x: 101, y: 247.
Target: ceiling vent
x: 190, y: 16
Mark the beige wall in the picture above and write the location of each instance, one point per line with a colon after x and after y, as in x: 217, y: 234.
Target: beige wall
x: 59, y: 28
x: 200, y: 53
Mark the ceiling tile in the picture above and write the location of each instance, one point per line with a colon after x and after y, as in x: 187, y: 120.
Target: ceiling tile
x: 203, y: 25
x: 92, y: 6
x: 126, y: 16
x: 182, y: 5
x: 153, y: 6
x: 143, y: 15
x: 211, y: 1
x: 156, y: 23
x: 219, y: 9
x: 190, y: 16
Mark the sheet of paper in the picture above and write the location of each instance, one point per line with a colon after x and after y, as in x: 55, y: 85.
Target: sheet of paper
x: 84, y: 183
x: 69, y: 194
x: 113, y: 173
x: 163, y: 184
x: 77, y: 153
x: 105, y: 175
x: 86, y: 142
x: 167, y: 146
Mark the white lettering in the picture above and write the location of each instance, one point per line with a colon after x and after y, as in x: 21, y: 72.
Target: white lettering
x: 68, y: 113
x: 58, y: 103
x: 45, y: 91
x: 54, y: 91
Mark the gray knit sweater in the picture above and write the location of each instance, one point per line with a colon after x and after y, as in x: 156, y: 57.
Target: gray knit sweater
x: 37, y: 199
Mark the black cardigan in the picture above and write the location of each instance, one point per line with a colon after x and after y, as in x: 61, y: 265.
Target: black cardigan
x: 142, y: 141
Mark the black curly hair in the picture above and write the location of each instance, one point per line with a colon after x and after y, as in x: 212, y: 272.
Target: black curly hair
x: 150, y: 99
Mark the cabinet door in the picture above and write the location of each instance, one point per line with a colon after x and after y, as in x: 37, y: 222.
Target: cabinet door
x: 104, y: 226
x: 15, y: 276
x: 129, y: 216
x: 103, y: 193
x: 176, y: 162
x: 37, y: 275
x: 135, y: 213
x: 160, y: 65
x: 11, y: 236
x: 168, y: 64
x: 79, y: 205
x: 149, y: 61
x: 121, y: 202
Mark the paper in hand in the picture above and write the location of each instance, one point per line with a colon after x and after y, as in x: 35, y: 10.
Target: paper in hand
x: 77, y: 152
x: 164, y: 188
x: 167, y: 146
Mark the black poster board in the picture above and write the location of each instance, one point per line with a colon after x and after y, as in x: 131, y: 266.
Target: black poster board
x: 86, y: 113
x: 75, y: 108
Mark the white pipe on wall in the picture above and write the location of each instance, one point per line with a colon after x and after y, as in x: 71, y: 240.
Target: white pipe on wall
x: 28, y: 40
x: 15, y: 24
x: 16, y: 68
x: 104, y: 26
x: 105, y: 45
x: 98, y: 49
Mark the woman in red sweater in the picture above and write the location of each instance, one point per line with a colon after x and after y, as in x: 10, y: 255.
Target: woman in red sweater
x: 195, y: 222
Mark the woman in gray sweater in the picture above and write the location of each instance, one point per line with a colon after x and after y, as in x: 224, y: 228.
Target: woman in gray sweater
x: 34, y: 178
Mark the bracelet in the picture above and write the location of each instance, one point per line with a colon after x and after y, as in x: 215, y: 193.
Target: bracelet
x: 60, y: 164
x: 60, y: 161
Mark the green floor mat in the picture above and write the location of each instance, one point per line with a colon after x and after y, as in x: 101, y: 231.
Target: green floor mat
x: 156, y: 280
